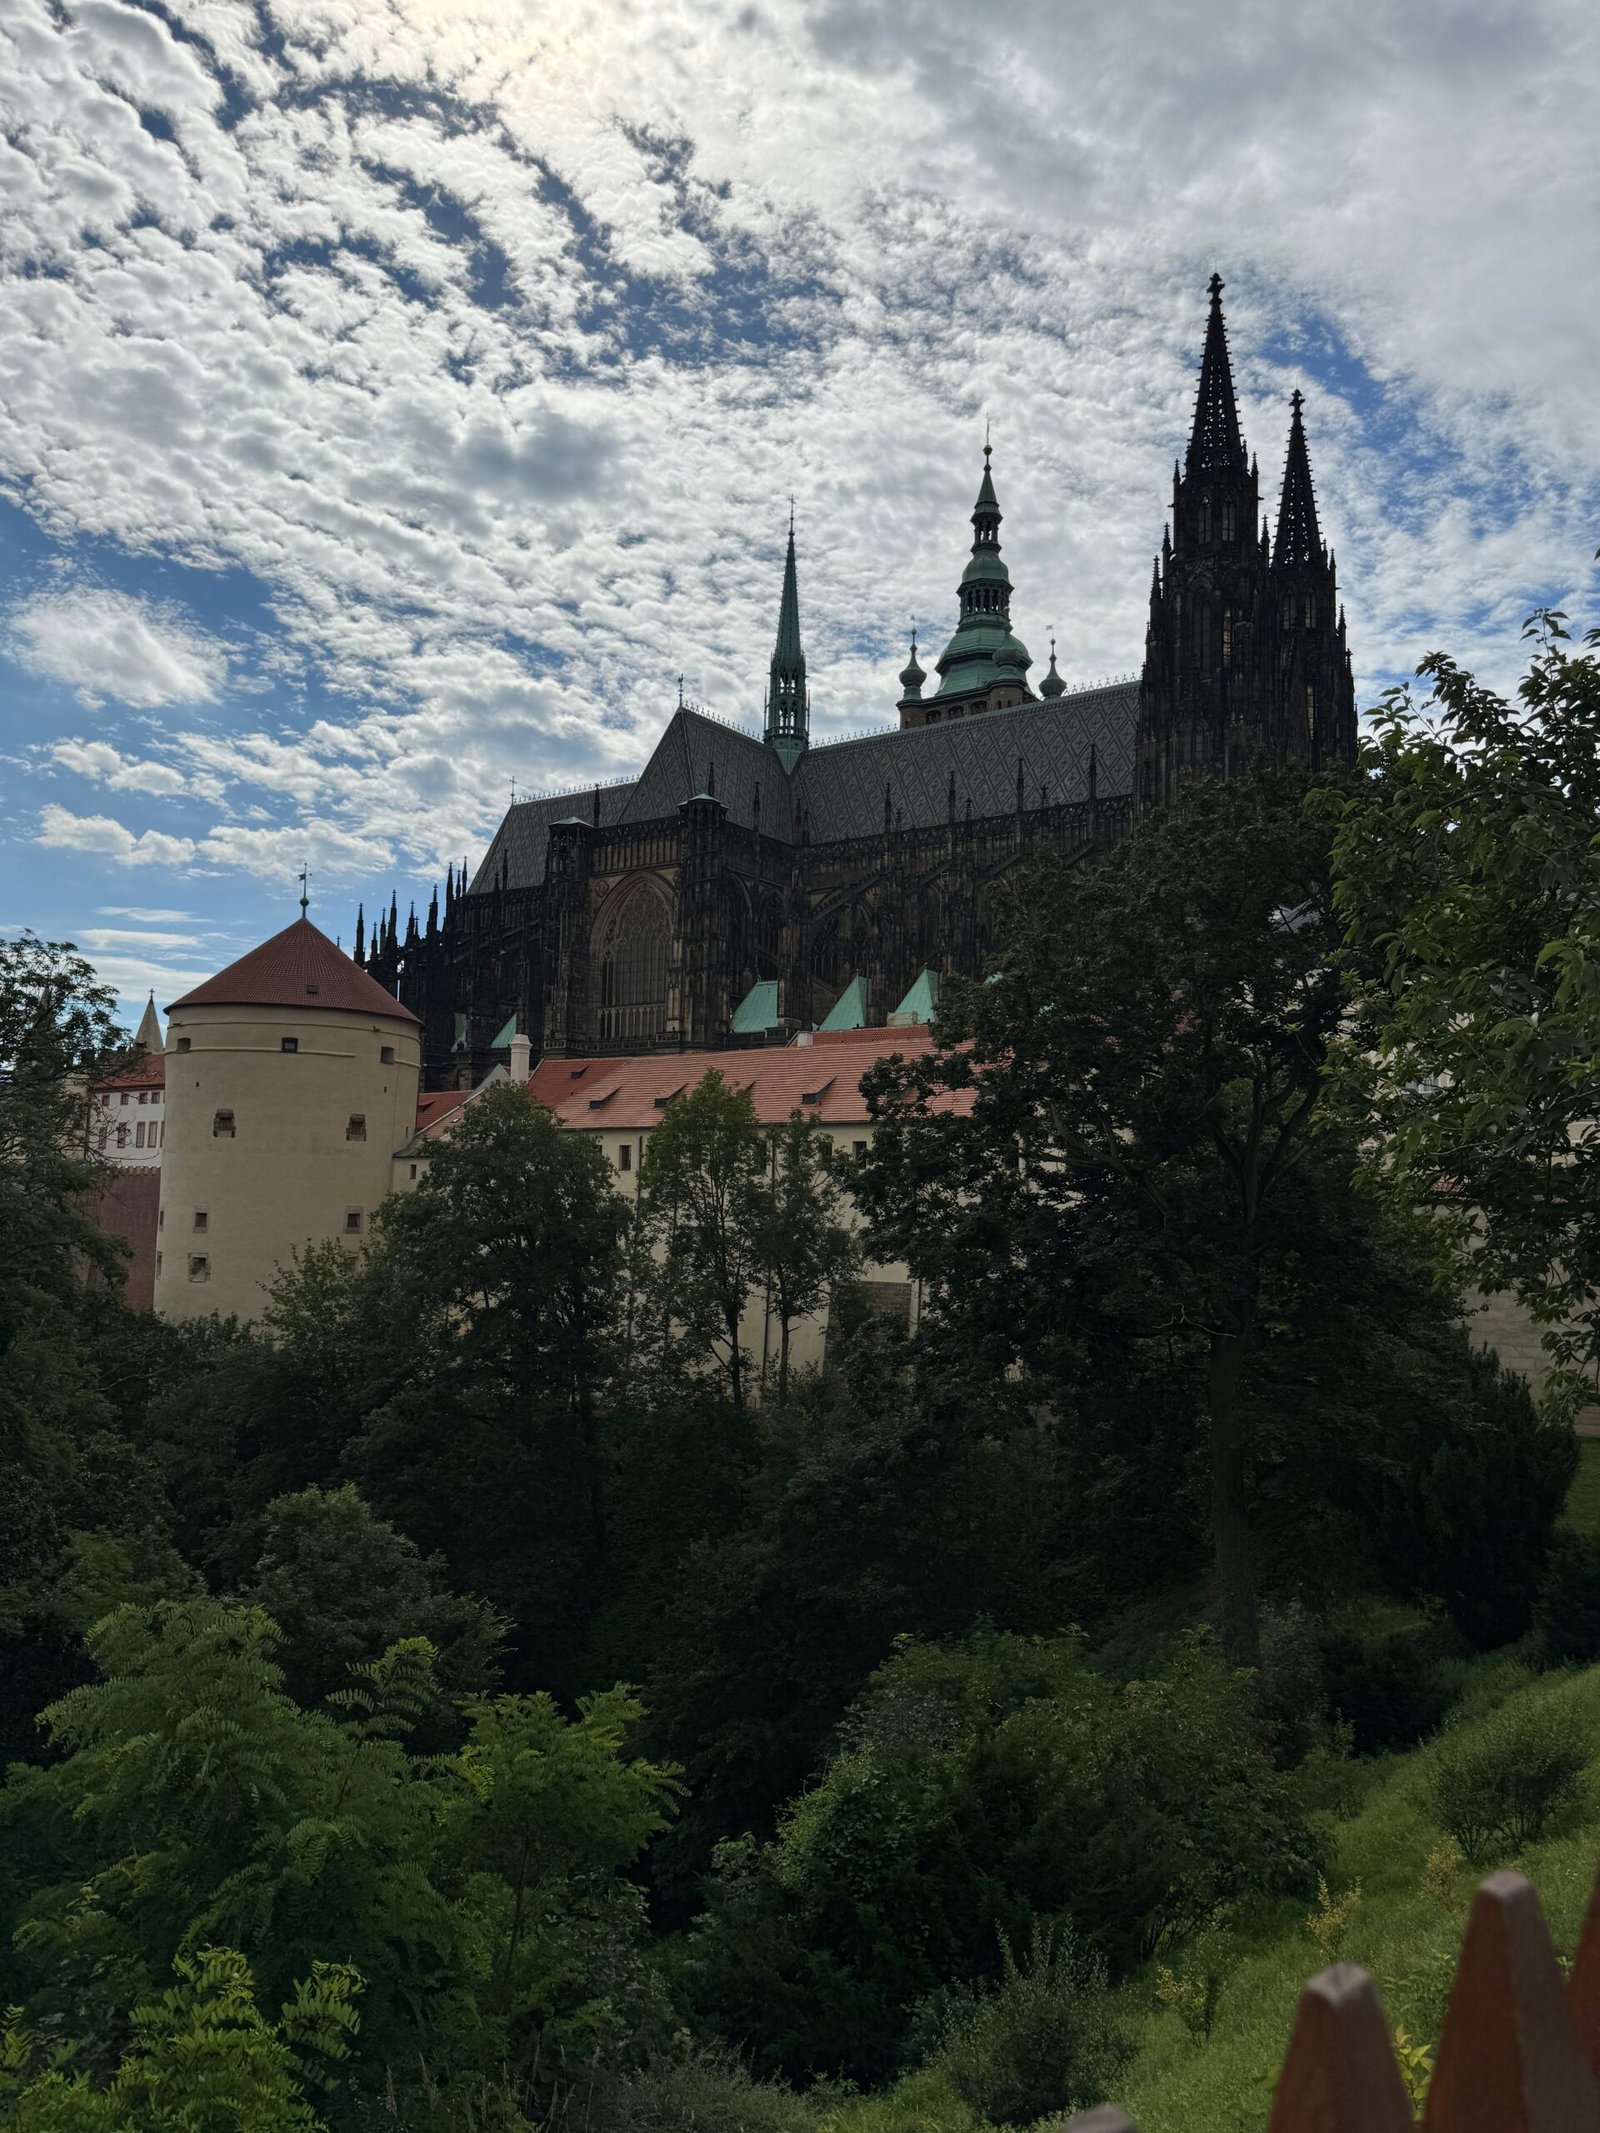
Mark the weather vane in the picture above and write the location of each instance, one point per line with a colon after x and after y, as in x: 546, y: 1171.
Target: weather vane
x: 305, y: 890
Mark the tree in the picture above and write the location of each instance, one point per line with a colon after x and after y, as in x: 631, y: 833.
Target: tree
x: 1136, y: 1090
x: 801, y: 1246
x: 515, y: 1236
x: 701, y: 1171
x: 342, y: 1584
x: 192, y: 1801
x: 1468, y: 882
x: 203, y: 2055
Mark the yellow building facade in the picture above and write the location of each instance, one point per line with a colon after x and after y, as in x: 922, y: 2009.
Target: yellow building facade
x: 291, y: 1078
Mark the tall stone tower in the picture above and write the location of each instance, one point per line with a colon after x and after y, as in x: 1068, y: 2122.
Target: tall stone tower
x: 291, y: 1081
x: 1244, y: 657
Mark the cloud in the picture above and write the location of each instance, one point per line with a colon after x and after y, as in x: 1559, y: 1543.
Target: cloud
x: 478, y: 352
x: 107, y: 646
x: 100, y: 761
x: 110, y: 839
x: 145, y: 917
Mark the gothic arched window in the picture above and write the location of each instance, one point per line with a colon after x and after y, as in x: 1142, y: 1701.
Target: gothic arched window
x: 631, y: 969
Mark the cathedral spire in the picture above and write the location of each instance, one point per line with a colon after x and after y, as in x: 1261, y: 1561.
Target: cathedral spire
x: 1299, y: 537
x: 788, y: 698
x: 1215, y: 440
x: 361, y: 933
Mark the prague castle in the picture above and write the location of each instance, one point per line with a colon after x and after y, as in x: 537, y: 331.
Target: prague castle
x: 741, y: 890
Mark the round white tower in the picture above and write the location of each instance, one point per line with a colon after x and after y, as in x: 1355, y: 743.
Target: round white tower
x: 291, y: 1080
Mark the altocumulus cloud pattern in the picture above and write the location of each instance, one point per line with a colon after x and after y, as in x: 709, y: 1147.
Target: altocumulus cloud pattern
x: 395, y: 399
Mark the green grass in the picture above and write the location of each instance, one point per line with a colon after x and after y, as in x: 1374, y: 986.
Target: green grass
x: 1582, y: 1509
x: 1406, y: 1929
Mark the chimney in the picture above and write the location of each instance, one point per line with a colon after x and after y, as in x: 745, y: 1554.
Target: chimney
x: 521, y: 1057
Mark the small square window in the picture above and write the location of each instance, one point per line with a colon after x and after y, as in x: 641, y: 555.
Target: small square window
x: 124, y: 1097
x: 859, y: 1150
x: 199, y: 1267
x: 222, y: 1126
x: 201, y: 1219
x: 625, y: 1156
x: 356, y: 1129
x: 386, y: 1056
x: 144, y: 1096
x: 183, y: 1044
x: 288, y: 1044
x: 352, y: 1222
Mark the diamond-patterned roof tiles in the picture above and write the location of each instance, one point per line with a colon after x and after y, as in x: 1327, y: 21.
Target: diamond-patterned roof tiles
x: 842, y: 786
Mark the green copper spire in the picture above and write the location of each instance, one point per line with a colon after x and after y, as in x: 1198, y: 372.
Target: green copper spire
x: 788, y: 699
x: 983, y: 655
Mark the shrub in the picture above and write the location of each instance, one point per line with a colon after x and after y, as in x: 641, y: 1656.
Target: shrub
x: 1499, y: 1789
x: 708, y: 2092
x: 1566, y: 1611
x: 1042, y: 2040
x: 1390, y: 1691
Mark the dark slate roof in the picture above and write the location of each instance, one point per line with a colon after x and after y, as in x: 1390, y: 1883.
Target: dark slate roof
x: 696, y: 755
x: 524, y: 832
x: 843, y: 786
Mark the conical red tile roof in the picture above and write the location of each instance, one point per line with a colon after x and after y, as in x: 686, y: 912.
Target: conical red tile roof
x: 299, y: 967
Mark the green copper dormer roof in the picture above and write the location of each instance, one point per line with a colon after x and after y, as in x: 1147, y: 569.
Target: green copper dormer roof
x: 1052, y: 685
x: 502, y: 1043
x: 983, y: 652
x: 788, y: 698
x: 758, y: 1010
x: 853, y: 1008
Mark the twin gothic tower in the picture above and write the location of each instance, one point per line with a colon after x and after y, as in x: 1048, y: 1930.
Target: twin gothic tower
x: 1245, y: 655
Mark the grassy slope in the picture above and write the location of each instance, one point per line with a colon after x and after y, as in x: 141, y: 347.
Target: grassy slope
x: 1406, y: 1935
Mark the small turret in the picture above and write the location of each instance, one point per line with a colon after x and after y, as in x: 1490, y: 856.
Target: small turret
x: 911, y: 677
x: 1052, y: 685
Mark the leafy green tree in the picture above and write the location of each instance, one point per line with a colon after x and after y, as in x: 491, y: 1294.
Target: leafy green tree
x: 203, y: 2059
x: 515, y: 1235
x: 981, y: 1791
x: 342, y: 1584
x: 702, y: 1168
x: 1467, y: 883
x: 1139, y: 1082
x: 191, y: 1801
x: 802, y: 1246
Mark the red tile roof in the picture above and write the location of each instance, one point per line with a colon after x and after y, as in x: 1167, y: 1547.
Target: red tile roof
x: 299, y: 967
x: 631, y: 1094
x: 437, y: 1104
x: 150, y: 1073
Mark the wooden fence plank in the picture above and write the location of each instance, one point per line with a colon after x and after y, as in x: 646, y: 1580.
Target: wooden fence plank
x: 1583, y: 1985
x: 1340, y: 2074
x: 1508, y: 2058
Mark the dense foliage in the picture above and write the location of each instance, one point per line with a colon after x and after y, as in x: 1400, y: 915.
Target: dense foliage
x: 494, y: 1690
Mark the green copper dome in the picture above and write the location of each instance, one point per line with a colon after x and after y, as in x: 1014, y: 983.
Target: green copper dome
x: 911, y: 674
x: 983, y: 654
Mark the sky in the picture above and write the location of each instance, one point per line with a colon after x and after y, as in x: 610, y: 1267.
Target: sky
x: 398, y: 396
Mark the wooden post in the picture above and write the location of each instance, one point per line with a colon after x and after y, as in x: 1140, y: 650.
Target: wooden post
x: 1340, y: 2074
x: 1508, y: 2058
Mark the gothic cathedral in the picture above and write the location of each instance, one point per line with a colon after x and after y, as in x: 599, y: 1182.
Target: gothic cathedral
x: 741, y: 890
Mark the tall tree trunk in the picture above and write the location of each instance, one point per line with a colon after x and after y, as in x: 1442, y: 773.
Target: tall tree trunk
x: 1233, y: 1564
